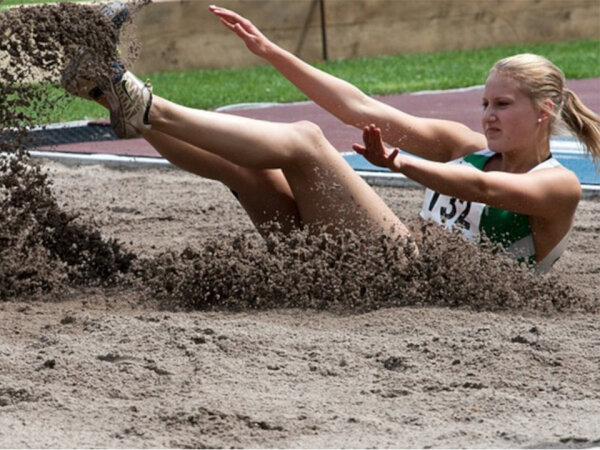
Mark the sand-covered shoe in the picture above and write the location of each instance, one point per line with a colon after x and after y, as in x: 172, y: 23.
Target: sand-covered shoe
x: 129, y: 100
x: 80, y: 76
x: 117, y: 11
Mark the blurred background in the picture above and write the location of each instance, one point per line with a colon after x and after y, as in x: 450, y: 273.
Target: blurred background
x: 181, y: 35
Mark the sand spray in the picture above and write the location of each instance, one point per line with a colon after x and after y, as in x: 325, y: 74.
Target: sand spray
x: 45, y: 249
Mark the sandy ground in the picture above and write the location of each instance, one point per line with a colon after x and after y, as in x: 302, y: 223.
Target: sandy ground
x: 99, y: 368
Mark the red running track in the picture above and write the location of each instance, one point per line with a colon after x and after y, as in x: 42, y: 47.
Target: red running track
x: 460, y: 105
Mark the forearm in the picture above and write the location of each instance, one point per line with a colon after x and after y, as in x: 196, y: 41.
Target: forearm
x: 448, y: 179
x: 333, y: 94
x: 550, y: 194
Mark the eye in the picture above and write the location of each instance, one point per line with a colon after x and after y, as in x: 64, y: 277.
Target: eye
x: 484, y: 104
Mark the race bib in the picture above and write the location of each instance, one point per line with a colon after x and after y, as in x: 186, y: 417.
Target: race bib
x: 451, y: 212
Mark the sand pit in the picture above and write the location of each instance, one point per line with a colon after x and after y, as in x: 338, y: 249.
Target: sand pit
x: 107, y: 367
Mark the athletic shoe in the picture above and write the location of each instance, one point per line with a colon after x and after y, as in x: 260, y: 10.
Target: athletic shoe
x: 117, y: 11
x: 78, y: 76
x: 129, y: 101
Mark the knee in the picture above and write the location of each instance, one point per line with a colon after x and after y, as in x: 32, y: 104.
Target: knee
x: 309, y: 131
x: 309, y: 138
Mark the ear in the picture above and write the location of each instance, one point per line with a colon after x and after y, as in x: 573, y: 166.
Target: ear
x: 546, y: 110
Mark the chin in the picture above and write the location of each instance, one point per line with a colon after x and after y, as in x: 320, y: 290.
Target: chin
x: 496, y: 147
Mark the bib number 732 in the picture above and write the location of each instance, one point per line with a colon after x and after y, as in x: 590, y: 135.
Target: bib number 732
x: 455, y: 207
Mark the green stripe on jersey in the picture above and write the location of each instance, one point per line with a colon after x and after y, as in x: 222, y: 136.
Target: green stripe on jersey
x: 504, y: 227
x: 477, y: 161
x: 499, y: 225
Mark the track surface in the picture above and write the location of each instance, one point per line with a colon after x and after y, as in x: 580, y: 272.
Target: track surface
x: 459, y: 105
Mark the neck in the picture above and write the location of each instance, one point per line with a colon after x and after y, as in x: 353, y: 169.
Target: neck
x: 520, y: 161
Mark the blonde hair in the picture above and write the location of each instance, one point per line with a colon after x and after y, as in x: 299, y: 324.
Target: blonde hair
x: 542, y: 80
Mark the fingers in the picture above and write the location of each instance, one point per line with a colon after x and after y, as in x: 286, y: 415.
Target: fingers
x: 372, y: 137
x: 236, y: 28
x: 371, y: 149
x: 228, y: 24
x: 393, y: 162
x: 241, y: 32
x: 224, y: 12
x: 359, y: 148
x: 375, y: 151
x: 227, y: 15
x: 236, y: 23
x: 376, y: 135
x: 367, y: 136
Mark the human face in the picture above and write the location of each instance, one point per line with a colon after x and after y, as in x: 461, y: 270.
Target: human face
x: 510, y: 118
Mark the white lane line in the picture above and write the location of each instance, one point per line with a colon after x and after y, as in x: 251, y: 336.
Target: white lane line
x: 133, y: 162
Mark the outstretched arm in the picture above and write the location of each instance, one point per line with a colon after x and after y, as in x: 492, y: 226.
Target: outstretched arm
x: 433, y: 139
x: 547, y: 194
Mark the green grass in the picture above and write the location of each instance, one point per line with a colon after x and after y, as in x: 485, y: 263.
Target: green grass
x: 208, y: 89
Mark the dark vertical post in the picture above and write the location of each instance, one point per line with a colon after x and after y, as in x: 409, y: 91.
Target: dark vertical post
x: 323, y: 30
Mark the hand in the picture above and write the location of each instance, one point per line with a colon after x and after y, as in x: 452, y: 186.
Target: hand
x: 375, y: 150
x: 256, y: 42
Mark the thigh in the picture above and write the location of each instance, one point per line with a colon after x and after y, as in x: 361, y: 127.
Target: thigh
x: 268, y: 200
x: 264, y: 194
x: 328, y: 192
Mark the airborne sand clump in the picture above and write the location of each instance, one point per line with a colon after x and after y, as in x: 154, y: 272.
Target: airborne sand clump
x: 44, y: 247
x: 40, y: 40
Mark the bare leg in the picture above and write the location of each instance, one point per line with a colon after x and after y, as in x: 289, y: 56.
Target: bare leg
x: 327, y: 191
x: 264, y: 194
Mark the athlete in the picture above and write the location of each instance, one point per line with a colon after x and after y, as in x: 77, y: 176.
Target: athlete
x: 503, y: 185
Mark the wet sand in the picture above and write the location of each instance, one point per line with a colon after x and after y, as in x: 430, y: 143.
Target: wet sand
x: 107, y: 367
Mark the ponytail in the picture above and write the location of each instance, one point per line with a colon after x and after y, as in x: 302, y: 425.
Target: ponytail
x: 582, y: 122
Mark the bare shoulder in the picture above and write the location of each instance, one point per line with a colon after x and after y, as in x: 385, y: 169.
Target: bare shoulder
x: 561, y: 184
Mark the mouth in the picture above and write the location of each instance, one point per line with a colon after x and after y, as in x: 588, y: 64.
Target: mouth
x: 491, y: 132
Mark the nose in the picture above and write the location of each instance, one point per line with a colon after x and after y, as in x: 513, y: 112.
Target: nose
x: 488, y: 115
